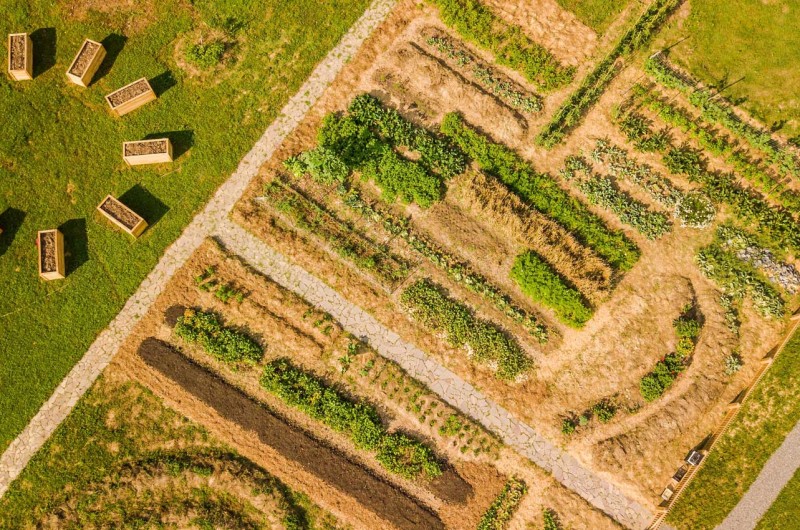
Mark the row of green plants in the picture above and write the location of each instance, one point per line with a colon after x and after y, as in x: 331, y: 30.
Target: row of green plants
x: 739, y: 279
x: 748, y: 248
x: 716, y: 109
x: 637, y: 129
x: 572, y: 111
x: 544, y: 285
x: 543, y: 193
x: 687, y: 330
x: 456, y: 269
x: 223, y: 343
x: 503, y: 88
x: 397, y: 452
x: 342, y: 238
x: 721, y: 145
x: 478, y: 24
x: 485, y: 342
x: 604, y: 410
x: 502, y: 509
x: 207, y: 281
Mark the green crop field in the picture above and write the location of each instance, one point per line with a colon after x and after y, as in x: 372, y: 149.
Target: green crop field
x: 750, y: 46
x: 597, y: 14
x: 760, y: 428
x: 785, y: 511
x: 60, y: 154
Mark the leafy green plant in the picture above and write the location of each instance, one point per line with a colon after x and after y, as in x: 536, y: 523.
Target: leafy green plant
x: 733, y: 363
x: 544, y: 285
x: 205, y: 55
x: 503, y: 507
x: 653, y: 385
x: 695, y: 210
x: 604, y: 410
x: 321, y: 163
x: 225, y: 344
x: 551, y: 520
x: 487, y: 343
x: 568, y: 426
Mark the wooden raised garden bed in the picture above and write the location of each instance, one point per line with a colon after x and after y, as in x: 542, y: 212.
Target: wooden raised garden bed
x: 51, y: 254
x: 86, y: 63
x: 20, y: 56
x: 122, y: 216
x: 131, y: 97
x: 147, y: 151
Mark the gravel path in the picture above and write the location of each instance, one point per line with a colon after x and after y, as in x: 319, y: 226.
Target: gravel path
x: 99, y: 354
x: 777, y: 472
x: 460, y: 394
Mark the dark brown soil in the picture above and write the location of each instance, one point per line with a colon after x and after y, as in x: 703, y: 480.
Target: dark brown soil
x: 18, y: 52
x: 84, y: 59
x: 47, y: 247
x: 145, y: 148
x: 128, y: 93
x: 121, y: 212
x: 327, y: 464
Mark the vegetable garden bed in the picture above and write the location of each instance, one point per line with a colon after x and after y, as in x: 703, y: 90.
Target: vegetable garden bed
x: 20, y: 56
x: 140, y: 152
x: 122, y: 216
x: 86, y: 63
x: 131, y: 97
x: 51, y: 254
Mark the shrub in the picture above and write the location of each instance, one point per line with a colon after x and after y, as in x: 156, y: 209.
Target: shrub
x: 653, y: 385
x: 223, y: 343
x: 487, y: 343
x: 503, y: 507
x: 302, y: 390
x: 321, y: 163
x: 539, y: 281
x: 205, y: 55
x: 604, y: 410
x: 543, y: 193
x: 551, y: 520
x: 733, y: 363
x: 567, y: 426
x: 695, y: 210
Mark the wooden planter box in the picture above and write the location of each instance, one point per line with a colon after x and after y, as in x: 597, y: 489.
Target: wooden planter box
x: 131, y: 97
x: 20, y: 56
x: 147, y: 151
x: 86, y: 63
x: 51, y: 254
x: 122, y: 216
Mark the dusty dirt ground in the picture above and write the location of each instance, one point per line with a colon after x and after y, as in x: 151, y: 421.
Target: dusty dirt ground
x: 631, y: 329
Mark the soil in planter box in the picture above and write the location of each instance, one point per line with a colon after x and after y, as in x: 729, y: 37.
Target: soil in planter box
x: 145, y: 148
x: 84, y: 59
x: 18, y: 52
x: 128, y: 93
x: 47, y: 247
x: 121, y: 213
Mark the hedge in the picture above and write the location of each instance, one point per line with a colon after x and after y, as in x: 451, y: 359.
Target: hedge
x: 223, y: 343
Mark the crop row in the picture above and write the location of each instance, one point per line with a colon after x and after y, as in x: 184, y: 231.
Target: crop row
x: 739, y: 279
x: 747, y: 248
x: 544, y: 285
x: 343, y: 239
x: 499, y: 85
x: 575, y: 107
x: 716, y: 110
x: 223, y: 343
x: 511, y: 47
x: 721, y: 145
x: 543, y: 193
x: 456, y: 270
x: 502, y: 509
x: 397, y: 452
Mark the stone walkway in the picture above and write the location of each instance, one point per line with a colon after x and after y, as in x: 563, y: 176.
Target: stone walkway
x: 460, y: 394
x: 777, y: 472
x: 100, y: 353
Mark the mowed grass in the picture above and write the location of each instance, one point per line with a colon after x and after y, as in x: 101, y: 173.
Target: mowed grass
x: 597, y: 14
x: 760, y: 428
x: 60, y: 154
x: 114, y: 424
x: 784, y: 514
x: 755, y: 46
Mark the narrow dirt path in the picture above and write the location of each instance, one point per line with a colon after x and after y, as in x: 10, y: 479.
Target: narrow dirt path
x: 457, y: 392
x: 105, y: 346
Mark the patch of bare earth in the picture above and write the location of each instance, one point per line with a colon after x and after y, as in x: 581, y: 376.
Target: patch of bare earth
x: 132, y: 16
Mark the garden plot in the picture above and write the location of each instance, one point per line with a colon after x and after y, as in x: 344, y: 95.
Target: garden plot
x: 620, y: 263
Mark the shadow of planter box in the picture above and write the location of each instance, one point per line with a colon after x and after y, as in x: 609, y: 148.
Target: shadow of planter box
x: 20, y: 56
x: 131, y: 97
x: 122, y: 216
x: 86, y: 62
x: 51, y: 254
x: 155, y: 151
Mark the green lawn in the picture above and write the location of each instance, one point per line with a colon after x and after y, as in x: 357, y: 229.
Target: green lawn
x: 754, y: 44
x: 60, y: 155
x: 597, y: 14
x: 784, y: 514
x: 764, y: 421
x: 119, y: 429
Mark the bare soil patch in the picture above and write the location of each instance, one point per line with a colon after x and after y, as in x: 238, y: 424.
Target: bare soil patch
x: 128, y: 93
x: 120, y: 212
x: 17, y: 52
x: 145, y: 148
x: 47, y: 243
x: 84, y: 58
